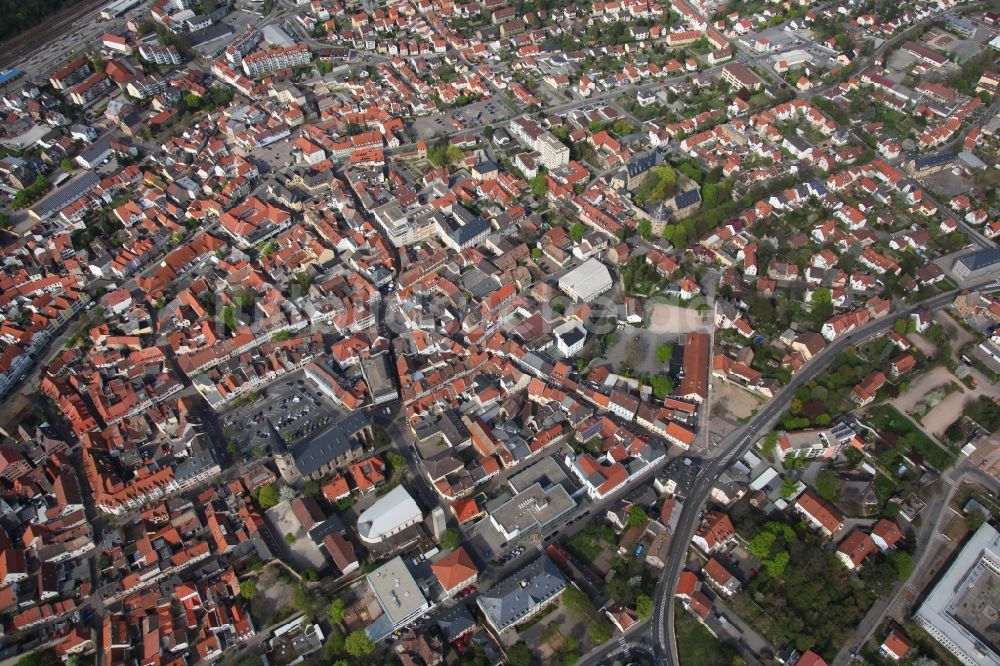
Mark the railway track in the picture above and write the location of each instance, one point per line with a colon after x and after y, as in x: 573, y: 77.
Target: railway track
x: 14, y: 50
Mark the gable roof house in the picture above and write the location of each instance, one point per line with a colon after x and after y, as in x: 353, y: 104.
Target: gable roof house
x: 818, y: 512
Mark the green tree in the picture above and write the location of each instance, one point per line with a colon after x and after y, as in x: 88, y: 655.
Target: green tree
x: 676, y: 235
x: 599, y: 632
x: 451, y: 539
x: 621, y: 128
x: 761, y: 543
x: 662, y: 385
x: 289, y: 538
x: 336, y: 611
x: 357, y: 644
x: 828, y: 485
x: 519, y: 655
x: 822, y: 305
x: 192, y: 102
x: 644, y: 607
x: 664, y: 353
x: 776, y: 565
x: 41, y: 658
x: 903, y: 563
x: 788, y: 487
x: 248, y: 589
x: 645, y: 228
x: 539, y: 186
x: 67, y: 164
x: 397, y: 463
x: 709, y: 194
x: 268, y: 496
x: 334, y: 643
x: 229, y: 317
x: 453, y: 155
x: 769, y: 444
x: 637, y: 517
x: 577, y: 230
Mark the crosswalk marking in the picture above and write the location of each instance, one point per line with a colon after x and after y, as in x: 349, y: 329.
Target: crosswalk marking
x: 624, y: 646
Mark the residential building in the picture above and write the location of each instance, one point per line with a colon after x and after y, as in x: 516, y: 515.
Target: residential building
x: 818, y: 512
x: 272, y: 60
x: 455, y: 571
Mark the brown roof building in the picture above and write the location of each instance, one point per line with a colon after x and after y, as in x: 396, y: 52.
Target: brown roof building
x: 694, y: 386
x: 455, y: 571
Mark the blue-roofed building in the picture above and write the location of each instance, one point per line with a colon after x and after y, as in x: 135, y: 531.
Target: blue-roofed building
x: 69, y: 193
x: 930, y: 163
x: 9, y: 75
x: 636, y: 169
x: 978, y: 264
x: 687, y: 199
x: 962, y: 26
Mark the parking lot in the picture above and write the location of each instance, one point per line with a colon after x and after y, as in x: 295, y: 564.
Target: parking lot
x: 485, y: 112
x: 289, y: 410
x: 275, y: 156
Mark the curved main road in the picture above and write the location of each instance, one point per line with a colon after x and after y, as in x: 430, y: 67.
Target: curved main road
x: 660, y: 628
x: 735, y: 445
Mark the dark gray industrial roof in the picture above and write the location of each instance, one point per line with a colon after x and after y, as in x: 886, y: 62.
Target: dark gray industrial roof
x: 332, y: 443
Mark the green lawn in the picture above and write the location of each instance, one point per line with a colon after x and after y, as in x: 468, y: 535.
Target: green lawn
x: 696, y: 646
x: 888, y: 420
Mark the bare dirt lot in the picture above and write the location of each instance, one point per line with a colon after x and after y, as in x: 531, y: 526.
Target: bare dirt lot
x: 273, y: 594
x: 926, y: 347
x: 937, y: 420
x: 732, y: 403
x: 959, y: 336
x: 303, y: 552
x: 667, y: 318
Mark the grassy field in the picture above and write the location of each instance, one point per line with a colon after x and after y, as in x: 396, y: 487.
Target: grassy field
x: 587, y: 544
x: 696, y: 646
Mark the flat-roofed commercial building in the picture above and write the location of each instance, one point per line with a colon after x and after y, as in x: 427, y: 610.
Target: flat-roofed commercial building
x: 960, y: 611
x: 399, y: 596
x: 379, y: 378
x: 587, y: 281
x: 534, y: 509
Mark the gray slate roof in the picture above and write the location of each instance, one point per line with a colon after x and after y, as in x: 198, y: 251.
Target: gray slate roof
x: 509, y: 601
